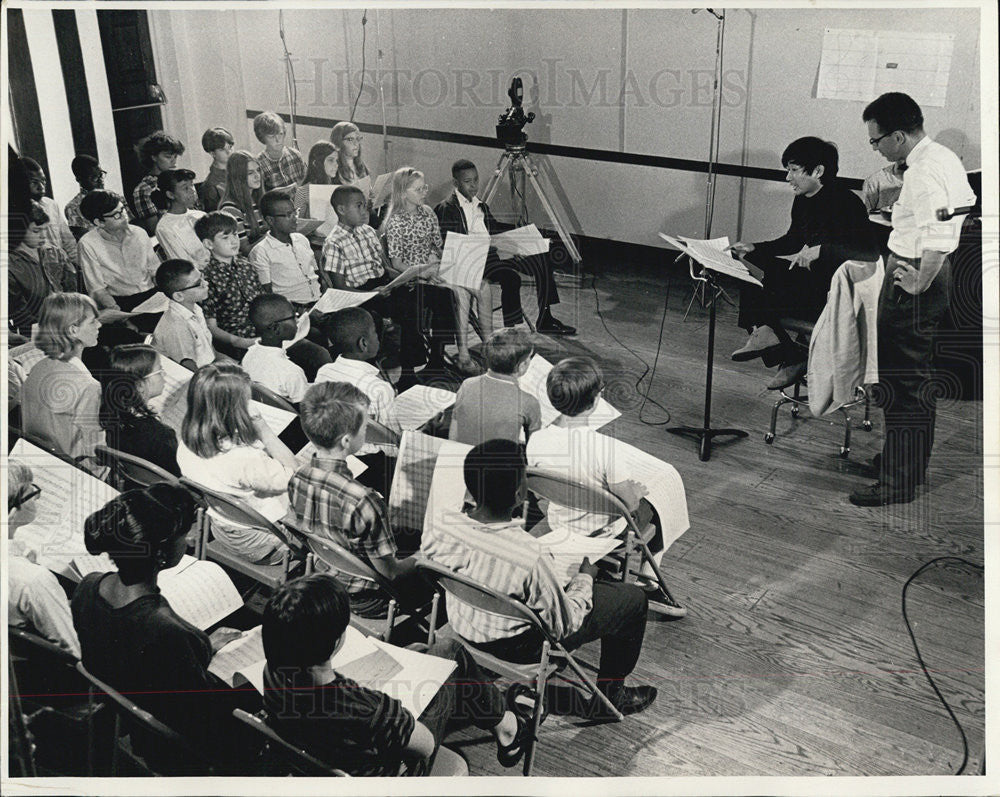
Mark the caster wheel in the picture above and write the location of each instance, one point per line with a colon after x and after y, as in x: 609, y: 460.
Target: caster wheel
x: 866, y: 425
x: 769, y: 438
x: 844, y: 452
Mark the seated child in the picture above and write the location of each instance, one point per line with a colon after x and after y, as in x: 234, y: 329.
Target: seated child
x: 240, y: 197
x: 56, y: 233
x: 571, y: 447
x: 157, y: 153
x: 282, y: 166
x: 328, y: 501
x: 267, y: 361
x: 90, y: 176
x: 488, y: 546
x: 182, y: 333
x: 360, y: 730
x: 175, y: 230
x: 283, y: 258
x: 226, y: 446
x: 217, y: 142
x: 493, y: 406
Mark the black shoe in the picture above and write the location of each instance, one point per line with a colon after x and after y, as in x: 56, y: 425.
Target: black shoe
x: 553, y: 326
x: 879, y: 494
x: 627, y: 699
x: 874, y: 469
x: 662, y: 605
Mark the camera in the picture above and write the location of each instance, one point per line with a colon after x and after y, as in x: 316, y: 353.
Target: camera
x: 510, y: 126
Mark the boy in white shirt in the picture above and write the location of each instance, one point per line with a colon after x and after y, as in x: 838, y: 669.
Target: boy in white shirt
x: 266, y: 361
x: 283, y: 258
x: 175, y: 229
x: 182, y: 333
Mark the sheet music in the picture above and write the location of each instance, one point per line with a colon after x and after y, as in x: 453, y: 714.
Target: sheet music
x: 85, y: 564
x: 411, y: 480
x: 381, y: 190
x: 665, y: 489
x: 412, y: 408
x: 175, y: 381
x: 464, y: 259
x: 277, y: 419
x: 712, y: 255
x: 533, y: 382
x: 319, y: 200
x: 69, y: 496
x: 447, y: 490
x: 241, y: 660
x: 374, y: 670
x: 413, y: 272
x: 569, y: 550
x: 202, y: 593
x: 333, y: 300
x: 421, y: 677
x: 522, y: 241
x: 354, y: 465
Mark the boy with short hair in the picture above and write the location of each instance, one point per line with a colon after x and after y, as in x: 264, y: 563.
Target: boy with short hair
x: 157, y: 153
x: 282, y: 167
x: 182, y: 333
x: 283, y: 258
x: 330, y: 502
x: 175, y: 229
x: 117, y: 258
x: 56, y: 233
x: 267, y: 361
x: 217, y: 142
x: 90, y: 176
x: 493, y: 406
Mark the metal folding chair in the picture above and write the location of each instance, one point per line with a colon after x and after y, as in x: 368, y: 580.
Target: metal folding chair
x: 128, y: 469
x: 267, y: 396
x: 282, y: 757
x: 554, y: 656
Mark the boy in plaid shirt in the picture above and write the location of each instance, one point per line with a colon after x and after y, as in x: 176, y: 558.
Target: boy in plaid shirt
x: 281, y: 166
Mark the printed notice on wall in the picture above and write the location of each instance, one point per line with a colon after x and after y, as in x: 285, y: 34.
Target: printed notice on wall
x: 862, y: 64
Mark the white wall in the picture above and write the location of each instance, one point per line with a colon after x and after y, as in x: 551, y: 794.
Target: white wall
x: 215, y: 64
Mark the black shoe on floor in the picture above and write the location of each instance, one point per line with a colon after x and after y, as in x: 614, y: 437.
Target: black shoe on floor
x: 875, y: 467
x: 627, y: 699
x: 662, y: 605
x: 879, y: 494
x: 549, y: 325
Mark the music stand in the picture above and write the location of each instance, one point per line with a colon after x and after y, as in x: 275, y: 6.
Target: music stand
x: 709, y: 266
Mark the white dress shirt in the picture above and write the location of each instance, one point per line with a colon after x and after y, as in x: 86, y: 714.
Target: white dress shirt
x: 475, y: 218
x: 183, y: 334
x: 123, y: 267
x: 175, y: 232
x: 270, y: 367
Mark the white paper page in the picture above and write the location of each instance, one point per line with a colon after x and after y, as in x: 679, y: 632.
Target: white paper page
x: 333, y: 300
x: 356, y: 645
x: 522, y: 241
x: 412, y: 408
x: 274, y: 417
x: 85, y: 564
x: 240, y: 657
x: 364, y: 184
x: 569, y: 549
x: 665, y: 489
x: 711, y: 254
x: 420, y: 679
x: 175, y: 381
x: 354, y: 465
x: 463, y: 260
x: 319, y: 200
x: 381, y: 190
x: 157, y: 303
x: 69, y: 496
x: 533, y: 382
x: 412, y: 273
x: 202, y: 594
x: 447, y: 492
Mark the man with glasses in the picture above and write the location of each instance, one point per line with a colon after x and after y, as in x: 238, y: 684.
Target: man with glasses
x: 118, y: 261
x: 915, y: 291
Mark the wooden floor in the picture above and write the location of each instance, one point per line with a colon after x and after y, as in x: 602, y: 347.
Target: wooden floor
x: 794, y: 659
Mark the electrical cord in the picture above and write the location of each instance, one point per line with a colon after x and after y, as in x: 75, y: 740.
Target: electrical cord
x: 920, y: 658
x: 651, y: 372
x: 293, y: 91
x: 364, y: 38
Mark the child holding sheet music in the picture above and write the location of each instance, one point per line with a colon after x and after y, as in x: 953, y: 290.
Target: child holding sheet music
x: 364, y: 731
x: 60, y: 400
x: 321, y: 169
x: 132, y: 639
x: 569, y: 446
x: 228, y: 448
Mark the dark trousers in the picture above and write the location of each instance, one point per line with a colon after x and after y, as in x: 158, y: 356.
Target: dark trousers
x: 413, y: 591
x: 906, y: 327
x: 618, y: 619
x: 506, y: 273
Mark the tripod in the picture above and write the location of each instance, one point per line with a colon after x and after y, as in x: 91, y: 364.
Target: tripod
x: 516, y: 162
x: 705, y: 433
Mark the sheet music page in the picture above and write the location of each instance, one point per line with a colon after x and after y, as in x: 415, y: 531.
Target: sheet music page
x: 665, y: 489
x: 413, y: 272
x: 374, y: 670
x: 319, y: 200
x: 533, y: 382
x: 412, y: 408
x: 447, y: 491
x: 381, y: 190
x: 202, y: 594
x: 523, y: 241
x: 464, y: 259
x: 238, y: 655
x: 175, y: 382
x: 712, y: 254
x: 333, y: 300
x: 274, y: 417
x: 411, y: 480
x: 569, y: 549
x: 421, y: 677
x: 69, y: 496
x: 85, y: 564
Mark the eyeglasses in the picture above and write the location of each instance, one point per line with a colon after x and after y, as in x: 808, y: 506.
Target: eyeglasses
x: 189, y: 287
x: 31, y: 491
x: 354, y: 139
x: 153, y: 373
x: 118, y: 214
x: 874, y: 141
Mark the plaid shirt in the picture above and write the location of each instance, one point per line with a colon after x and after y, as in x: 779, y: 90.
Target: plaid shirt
x: 506, y: 558
x: 288, y: 169
x: 353, y: 252
x: 231, y: 288
x: 142, y: 202
x: 330, y: 503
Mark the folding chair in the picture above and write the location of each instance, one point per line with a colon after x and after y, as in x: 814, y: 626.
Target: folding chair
x: 338, y: 558
x: 380, y: 435
x: 597, y: 499
x: 282, y: 757
x: 235, y: 511
x: 130, y: 719
x: 128, y: 469
x: 267, y: 396
x: 489, y: 600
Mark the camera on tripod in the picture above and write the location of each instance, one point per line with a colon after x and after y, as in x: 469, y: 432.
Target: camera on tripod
x: 510, y: 126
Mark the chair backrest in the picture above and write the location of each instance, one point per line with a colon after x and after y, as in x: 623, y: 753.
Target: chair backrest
x: 482, y: 597
x: 294, y: 757
x: 379, y: 434
x: 233, y: 509
x: 338, y: 557
x: 138, y: 718
x: 584, y: 496
x: 267, y: 396
x: 130, y: 468
x: 40, y: 646
x: 47, y: 445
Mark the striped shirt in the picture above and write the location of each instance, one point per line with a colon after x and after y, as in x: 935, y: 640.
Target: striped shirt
x: 353, y: 252
x: 504, y: 557
x: 287, y: 169
x: 330, y: 503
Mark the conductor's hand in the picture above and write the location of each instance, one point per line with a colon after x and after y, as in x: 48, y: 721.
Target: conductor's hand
x: 587, y: 567
x: 740, y: 248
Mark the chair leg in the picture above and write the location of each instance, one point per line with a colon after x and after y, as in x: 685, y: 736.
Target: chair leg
x: 390, y: 620
x: 769, y: 437
x: 592, y: 688
x: 846, y: 448
x: 536, y: 715
x: 647, y: 558
x: 433, y: 618
x: 116, y: 749
x: 626, y: 560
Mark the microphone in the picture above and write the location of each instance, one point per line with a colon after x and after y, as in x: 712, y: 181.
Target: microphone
x: 945, y: 214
